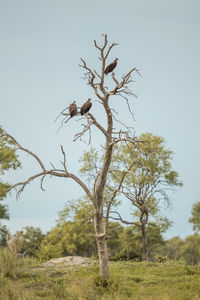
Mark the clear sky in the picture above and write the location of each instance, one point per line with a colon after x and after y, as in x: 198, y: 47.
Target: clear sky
x: 41, y: 46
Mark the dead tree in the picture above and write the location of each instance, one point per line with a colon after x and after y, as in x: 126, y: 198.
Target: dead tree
x: 96, y: 81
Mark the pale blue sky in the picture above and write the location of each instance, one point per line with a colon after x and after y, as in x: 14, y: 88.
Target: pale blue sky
x: 41, y: 44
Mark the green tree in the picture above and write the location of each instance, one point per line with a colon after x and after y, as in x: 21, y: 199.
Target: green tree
x: 147, y: 184
x: 195, y: 218
x: 4, y: 234
x: 74, y: 233
x: 115, y: 230
x: 8, y: 161
x: 190, y: 250
x: 31, y: 239
x: 131, y: 241
x: 187, y: 250
x: 171, y: 249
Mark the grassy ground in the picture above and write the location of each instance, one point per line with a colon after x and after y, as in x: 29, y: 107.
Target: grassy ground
x: 26, y: 279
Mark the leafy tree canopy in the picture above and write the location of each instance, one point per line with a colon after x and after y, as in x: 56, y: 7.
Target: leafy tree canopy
x: 152, y: 170
x: 131, y: 241
x: 4, y: 233
x: 30, y: 239
x: 8, y: 160
x: 73, y: 234
x: 151, y: 177
x: 195, y: 218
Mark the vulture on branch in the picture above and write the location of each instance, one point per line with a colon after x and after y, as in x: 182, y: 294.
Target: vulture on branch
x: 111, y: 66
x: 72, y: 109
x: 86, y: 107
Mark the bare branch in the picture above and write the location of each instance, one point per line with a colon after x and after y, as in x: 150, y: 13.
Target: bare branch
x: 23, y: 184
x: 109, y: 49
x: 64, y: 161
x: 84, y: 187
x: 97, y: 74
x: 52, y: 165
x: 103, y: 60
x: 53, y: 172
x: 26, y: 150
x: 61, y: 113
x: 85, y: 129
x: 97, y: 124
x: 62, y: 123
x: 115, y: 79
x: 105, y: 43
x: 115, y: 192
x: 122, y: 87
x: 122, y: 220
x: 90, y: 75
x: 88, y: 127
x: 130, y: 130
x: 129, y: 108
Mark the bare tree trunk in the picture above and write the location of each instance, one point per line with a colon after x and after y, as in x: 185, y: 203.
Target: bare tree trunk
x: 101, y: 245
x: 144, y: 242
x: 144, y: 219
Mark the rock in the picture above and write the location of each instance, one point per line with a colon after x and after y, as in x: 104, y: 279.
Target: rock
x: 68, y: 261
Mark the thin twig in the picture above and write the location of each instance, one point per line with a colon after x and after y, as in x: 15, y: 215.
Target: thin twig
x: 60, y: 114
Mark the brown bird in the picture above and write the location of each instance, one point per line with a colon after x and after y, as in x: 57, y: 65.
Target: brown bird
x: 72, y: 109
x: 86, y: 107
x: 111, y: 66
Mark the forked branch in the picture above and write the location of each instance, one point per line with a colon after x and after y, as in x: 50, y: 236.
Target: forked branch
x: 119, y: 218
x: 53, y: 172
x: 115, y: 193
x: 25, y: 150
x: 90, y: 76
x: 122, y: 86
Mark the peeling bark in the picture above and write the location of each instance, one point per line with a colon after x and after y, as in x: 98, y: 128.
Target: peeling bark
x: 101, y: 245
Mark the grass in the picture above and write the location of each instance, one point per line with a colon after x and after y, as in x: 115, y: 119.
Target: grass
x: 27, y: 280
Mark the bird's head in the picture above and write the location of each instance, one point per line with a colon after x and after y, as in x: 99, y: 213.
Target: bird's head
x: 74, y: 102
x: 89, y: 100
x: 116, y: 59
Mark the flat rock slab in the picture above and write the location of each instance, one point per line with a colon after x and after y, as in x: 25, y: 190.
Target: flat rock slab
x: 68, y: 261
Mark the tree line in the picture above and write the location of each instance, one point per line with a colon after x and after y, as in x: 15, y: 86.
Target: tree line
x: 74, y: 235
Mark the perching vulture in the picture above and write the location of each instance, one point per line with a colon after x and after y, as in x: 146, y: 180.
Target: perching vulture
x: 111, y: 66
x: 72, y: 109
x: 86, y: 107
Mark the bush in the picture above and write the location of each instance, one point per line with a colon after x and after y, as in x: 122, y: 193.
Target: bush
x: 8, y: 257
x: 48, y: 251
x: 7, y: 262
